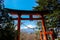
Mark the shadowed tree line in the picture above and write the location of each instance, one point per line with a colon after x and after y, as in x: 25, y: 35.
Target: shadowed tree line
x: 7, y: 29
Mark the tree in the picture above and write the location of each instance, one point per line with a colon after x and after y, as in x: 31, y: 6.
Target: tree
x: 7, y: 29
x: 52, y: 17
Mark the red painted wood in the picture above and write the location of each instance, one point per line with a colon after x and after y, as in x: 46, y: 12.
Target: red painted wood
x: 27, y: 11
x: 52, y: 35
x: 44, y: 28
x: 31, y: 16
x: 41, y: 35
x: 18, y: 38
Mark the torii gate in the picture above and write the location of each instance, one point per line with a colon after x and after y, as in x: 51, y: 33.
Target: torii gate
x: 31, y: 13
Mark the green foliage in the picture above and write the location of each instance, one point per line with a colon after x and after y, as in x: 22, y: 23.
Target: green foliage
x: 43, y: 4
x: 51, y: 18
x: 7, y: 29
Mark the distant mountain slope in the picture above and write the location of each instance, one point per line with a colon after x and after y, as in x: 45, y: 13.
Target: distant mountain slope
x: 27, y: 30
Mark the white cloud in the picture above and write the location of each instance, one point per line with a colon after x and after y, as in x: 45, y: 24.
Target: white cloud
x: 28, y: 26
x: 24, y: 27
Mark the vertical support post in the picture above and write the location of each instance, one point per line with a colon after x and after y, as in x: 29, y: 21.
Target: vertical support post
x: 40, y: 35
x: 44, y: 28
x: 30, y: 16
x: 52, y: 35
x: 18, y: 38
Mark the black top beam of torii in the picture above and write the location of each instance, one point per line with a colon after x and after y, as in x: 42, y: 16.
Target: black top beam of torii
x: 27, y: 11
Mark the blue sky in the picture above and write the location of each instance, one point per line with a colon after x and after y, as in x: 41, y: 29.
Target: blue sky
x: 29, y: 23
x: 26, y: 23
x: 20, y: 4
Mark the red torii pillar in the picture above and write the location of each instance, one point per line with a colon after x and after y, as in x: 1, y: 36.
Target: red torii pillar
x: 44, y: 32
x: 44, y: 28
x: 19, y: 21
